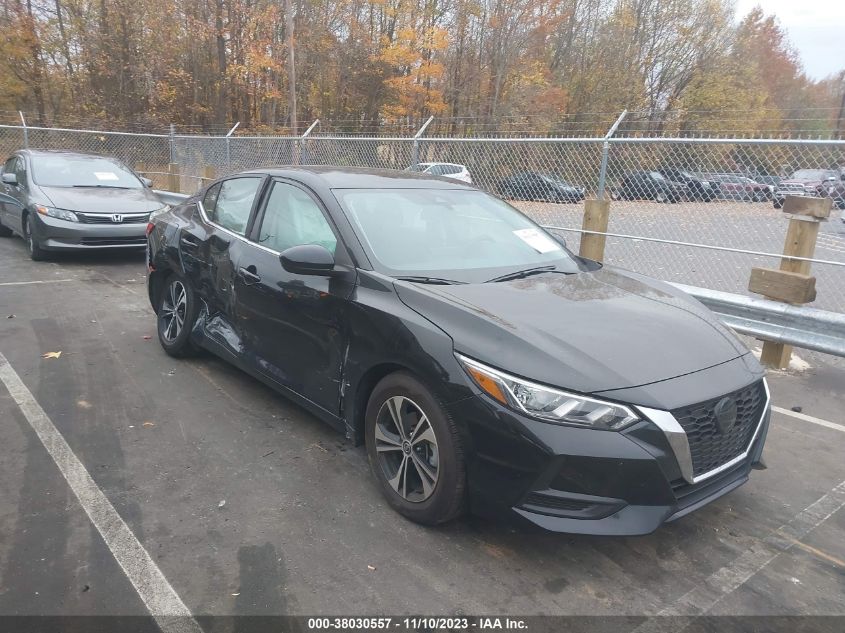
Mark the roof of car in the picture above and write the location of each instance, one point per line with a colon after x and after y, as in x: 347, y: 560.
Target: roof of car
x: 61, y: 152
x: 362, y: 177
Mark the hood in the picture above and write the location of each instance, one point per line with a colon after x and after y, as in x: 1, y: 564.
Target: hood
x: 590, y: 331
x: 102, y: 200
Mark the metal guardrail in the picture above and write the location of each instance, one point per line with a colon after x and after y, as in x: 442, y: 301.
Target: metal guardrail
x: 807, y: 328
x: 170, y: 197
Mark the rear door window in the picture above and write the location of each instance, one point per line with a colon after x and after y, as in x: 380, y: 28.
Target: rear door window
x: 229, y: 203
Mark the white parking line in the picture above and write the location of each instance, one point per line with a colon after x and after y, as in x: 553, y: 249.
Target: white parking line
x: 162, y: 601
x: 721, y: 583
x: 809, y: 418
x: 27, y: 283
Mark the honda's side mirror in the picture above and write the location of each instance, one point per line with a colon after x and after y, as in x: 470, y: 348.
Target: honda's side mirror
x: 308, y: 259
x: 146, y: 182
x: 10, y: 179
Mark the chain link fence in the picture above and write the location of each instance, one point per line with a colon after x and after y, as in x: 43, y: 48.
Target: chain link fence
x: 691, y: 210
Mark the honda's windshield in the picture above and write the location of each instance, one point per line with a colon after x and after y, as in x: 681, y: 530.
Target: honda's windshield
x: 64, y: 170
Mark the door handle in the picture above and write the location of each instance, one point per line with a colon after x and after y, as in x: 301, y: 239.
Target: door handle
x: 250, y: 275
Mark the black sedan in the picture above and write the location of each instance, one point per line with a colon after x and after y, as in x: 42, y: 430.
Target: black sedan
x: 534, y: 186
x: 65, y: 201
x: 697, y: 188
x: 485, y: 366
x: 650, y: 185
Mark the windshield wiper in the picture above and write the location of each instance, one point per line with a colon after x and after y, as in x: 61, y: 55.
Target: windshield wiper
x: 430, y: 280
x: 98, y: 187
x: 519, y: 274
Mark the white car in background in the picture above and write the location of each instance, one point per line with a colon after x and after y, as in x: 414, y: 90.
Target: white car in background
x: 447, y: 170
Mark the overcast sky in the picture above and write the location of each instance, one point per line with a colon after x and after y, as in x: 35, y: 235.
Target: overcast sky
x: 816, y: 28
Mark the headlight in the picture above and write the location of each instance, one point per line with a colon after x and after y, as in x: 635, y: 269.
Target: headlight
x: 60, y: 214
x: 158, y: 212
x: 546, y: 403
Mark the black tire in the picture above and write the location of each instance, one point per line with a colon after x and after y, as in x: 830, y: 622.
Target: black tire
x: 175, y: 337
x: 36, y: 253
x: 777, y: 204
x: 444, y: 500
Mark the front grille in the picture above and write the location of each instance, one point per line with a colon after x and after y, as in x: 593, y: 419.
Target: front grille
x: 789, y: 188
x: 95, y: 218
x: 113, y: 241
x: 710, y: 446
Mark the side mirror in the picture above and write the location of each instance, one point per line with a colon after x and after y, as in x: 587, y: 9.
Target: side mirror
x: 307, y: 259
x: 146, y: 182
x: 10, y: 179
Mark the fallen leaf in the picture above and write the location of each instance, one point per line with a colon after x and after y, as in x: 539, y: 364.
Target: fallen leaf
x: 236, y: 594
x: 11, y: 316
x: 371, y: 568
x: 148, y: 424
x: 83, y: 404
x: 222, y: 503
x: 147, y: 337
x: 51, y: 355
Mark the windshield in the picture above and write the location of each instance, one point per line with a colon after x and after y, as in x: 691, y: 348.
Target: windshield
x: 656, y: 175
x: 419, y: 167
x: 466, y: 236
x: 82, y: 171
x: 813, y: 174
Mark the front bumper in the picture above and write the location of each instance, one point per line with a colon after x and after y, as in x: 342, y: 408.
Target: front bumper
x: 579, y: 480
x: 54, y: 234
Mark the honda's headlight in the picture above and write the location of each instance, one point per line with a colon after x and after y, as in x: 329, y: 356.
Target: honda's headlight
x: 546, y: 403
x: 60, y: 214
x: 159, y: 211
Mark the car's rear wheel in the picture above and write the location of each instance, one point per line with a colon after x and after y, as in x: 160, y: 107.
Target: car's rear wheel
x: 36, y: 253
x: 177, y: 313
x: 415, y: 451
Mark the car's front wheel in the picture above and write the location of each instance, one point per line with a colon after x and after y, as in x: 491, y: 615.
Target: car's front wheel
x: 415, y: 451
x: 177, y: 313
x: 36, y: 253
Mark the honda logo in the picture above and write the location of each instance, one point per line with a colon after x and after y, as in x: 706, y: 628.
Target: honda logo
x: 117, y: 218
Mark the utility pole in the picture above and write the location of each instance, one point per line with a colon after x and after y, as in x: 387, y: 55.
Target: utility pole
x: 840, y: 123
x: 291, y: 65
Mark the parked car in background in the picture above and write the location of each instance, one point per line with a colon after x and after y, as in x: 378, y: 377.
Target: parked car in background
x: 535, y: 186
x: 771, y: 181
x: 68, y: 201
x: 483, y: 365
x: 823, y: 183
x: 650, y: 185
x: 447, y: 170
x: 742, y: 188
x: 698, y: 188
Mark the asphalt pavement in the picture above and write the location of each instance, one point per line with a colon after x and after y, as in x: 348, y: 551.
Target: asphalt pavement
x: 246, y: 504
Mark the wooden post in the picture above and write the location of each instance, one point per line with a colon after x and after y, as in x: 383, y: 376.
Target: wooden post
x: 209, y: 172
x: 596, y: 215
x: 173, y: 180
x: 807, y: 214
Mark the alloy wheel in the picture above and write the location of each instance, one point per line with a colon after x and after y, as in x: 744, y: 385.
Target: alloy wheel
x: 30, y: 242
x: 407, y: 449
x: 174, y: 307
